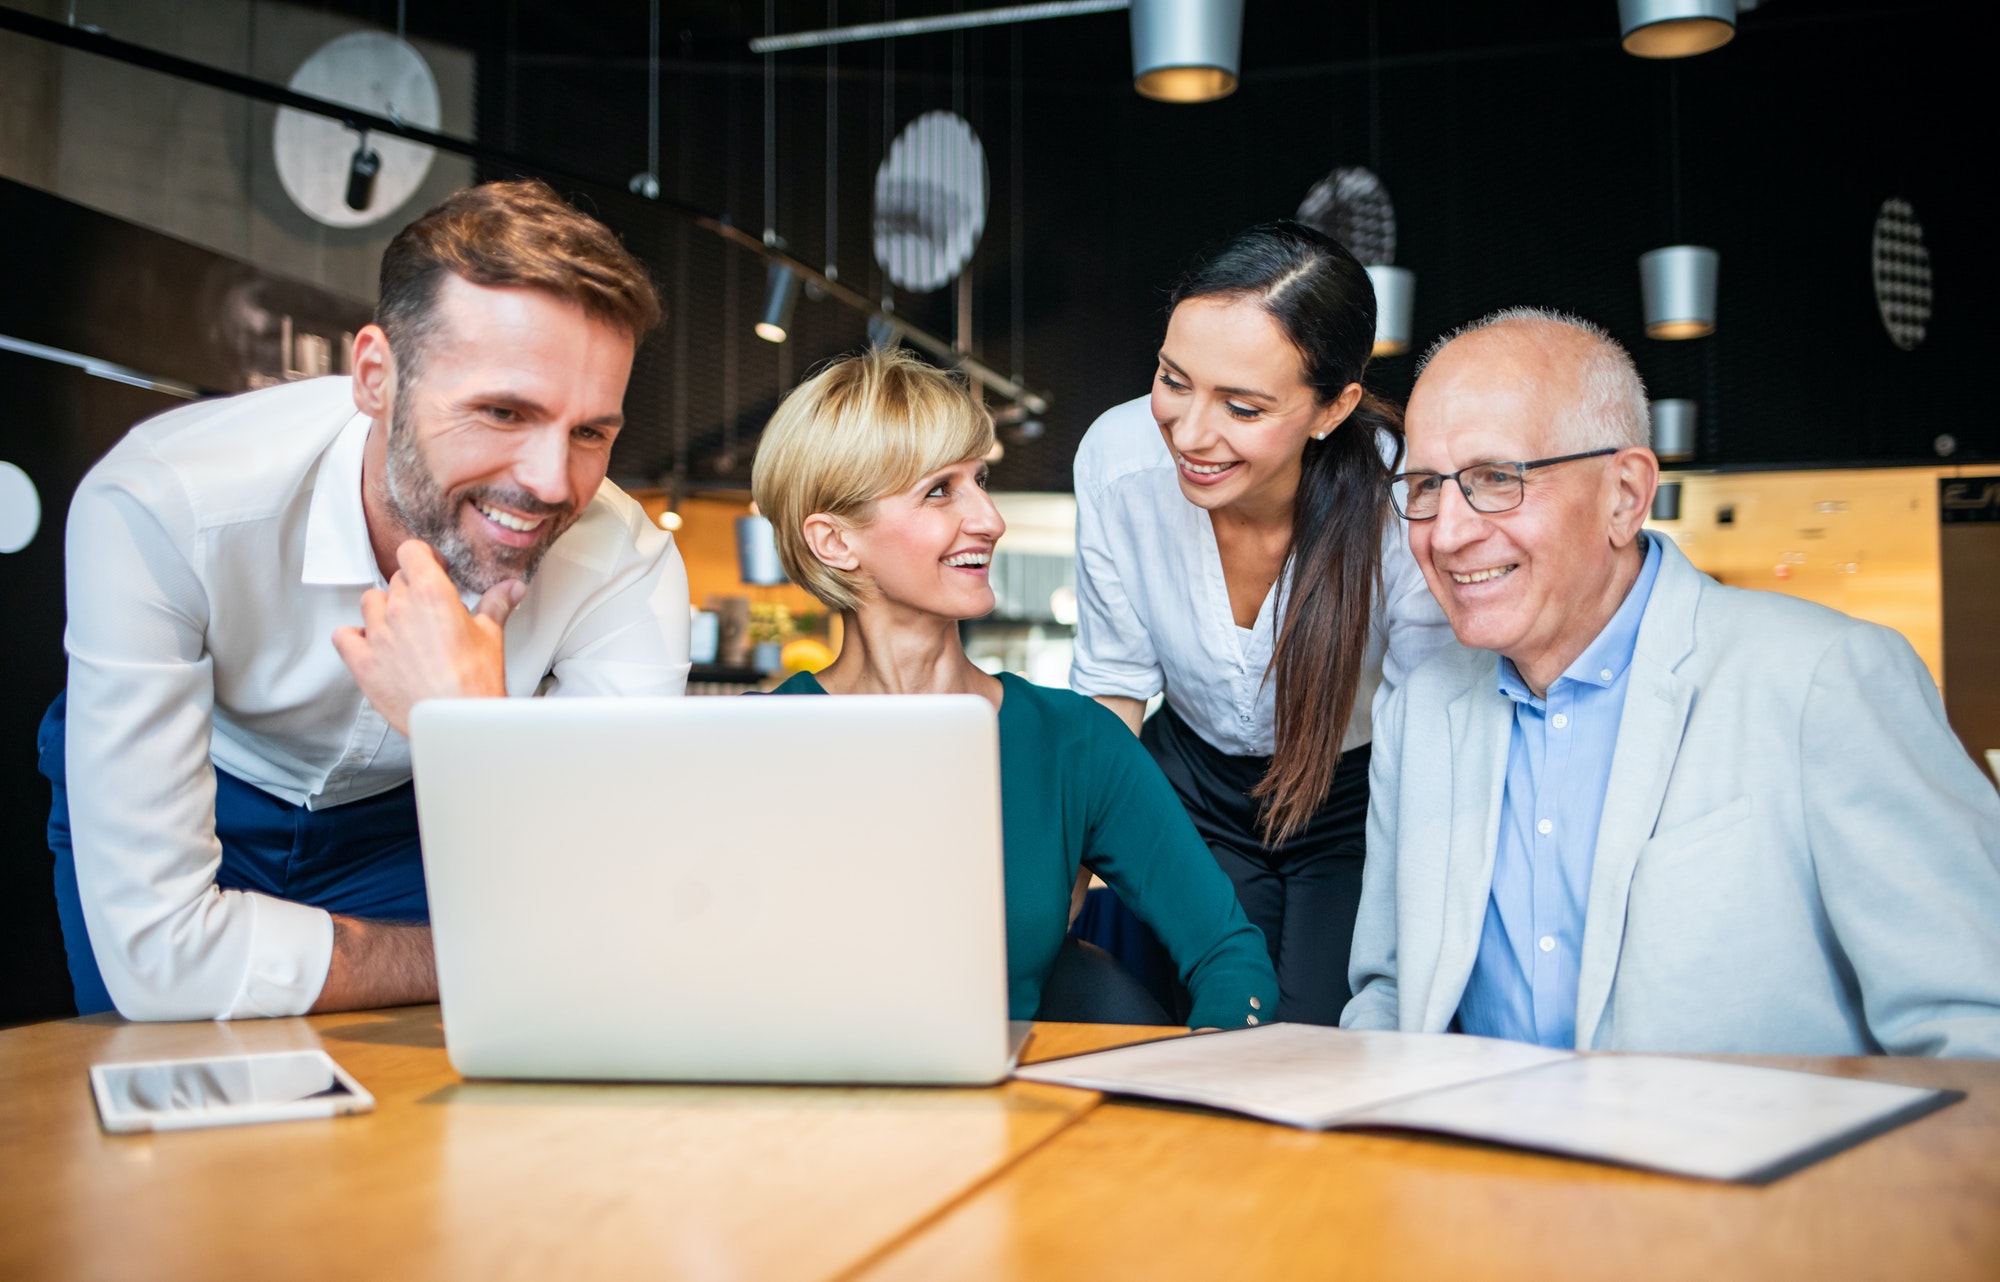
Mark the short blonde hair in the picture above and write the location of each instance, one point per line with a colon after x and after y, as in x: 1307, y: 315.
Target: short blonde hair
x: 864, y: 427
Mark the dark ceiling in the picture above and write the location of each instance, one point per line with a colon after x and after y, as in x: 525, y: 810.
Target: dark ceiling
x: 1531, y: 161
x: 1278, y: 34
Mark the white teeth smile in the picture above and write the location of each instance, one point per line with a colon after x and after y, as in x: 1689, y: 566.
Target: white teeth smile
x: 1481, y: 576
x: 506, y: 520
x: 1203, y: 469
x: 967, y: 560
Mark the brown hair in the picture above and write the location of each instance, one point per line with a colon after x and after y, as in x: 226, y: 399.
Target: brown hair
x: 1322, y: 299
x: 510, y: 234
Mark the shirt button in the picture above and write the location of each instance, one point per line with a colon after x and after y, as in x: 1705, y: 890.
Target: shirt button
x: 1559, y: 721
x: 1255, y: 1004
x: 1249, y: 1019
x: 1548, y: 943
x: 1604, y: 675
x: 1545, y: 827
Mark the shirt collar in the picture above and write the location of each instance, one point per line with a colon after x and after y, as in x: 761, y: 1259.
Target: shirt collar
x: 337, y: 545
x: 1604, y: 660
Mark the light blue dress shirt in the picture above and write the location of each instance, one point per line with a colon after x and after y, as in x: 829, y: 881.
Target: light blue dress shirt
x: 1524, y: 980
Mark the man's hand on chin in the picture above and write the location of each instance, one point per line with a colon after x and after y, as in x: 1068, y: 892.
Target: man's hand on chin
x: 417, y: 640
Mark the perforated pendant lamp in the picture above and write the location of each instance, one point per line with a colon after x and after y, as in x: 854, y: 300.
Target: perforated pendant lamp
x: 1675, y: 28
x: 1186, y: 50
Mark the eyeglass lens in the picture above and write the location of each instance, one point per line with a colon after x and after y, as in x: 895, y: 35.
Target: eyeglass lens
x: 1492, y: 488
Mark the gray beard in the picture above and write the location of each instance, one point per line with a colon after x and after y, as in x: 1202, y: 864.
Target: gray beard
x: 430, y: 514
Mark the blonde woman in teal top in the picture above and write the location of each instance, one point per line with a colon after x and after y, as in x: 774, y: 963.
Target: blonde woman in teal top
x: 872, y: 473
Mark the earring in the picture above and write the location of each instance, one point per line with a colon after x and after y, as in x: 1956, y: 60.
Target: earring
x: 1319, y: 436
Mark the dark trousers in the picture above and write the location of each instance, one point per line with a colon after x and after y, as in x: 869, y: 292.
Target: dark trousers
x: 1303, y: 894
x: 361, y: 859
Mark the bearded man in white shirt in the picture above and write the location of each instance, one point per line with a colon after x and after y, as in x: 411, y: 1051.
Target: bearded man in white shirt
x: 260, y: 588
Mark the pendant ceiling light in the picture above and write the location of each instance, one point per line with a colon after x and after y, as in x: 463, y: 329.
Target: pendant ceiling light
x: 1675, y: 28
x: 1186, y: 50
x: 1677, y: 284
x: 1673, y: 429
x: 1395, y: 304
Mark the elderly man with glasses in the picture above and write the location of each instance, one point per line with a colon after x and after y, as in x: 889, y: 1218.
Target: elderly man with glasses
x: 1635, y: 809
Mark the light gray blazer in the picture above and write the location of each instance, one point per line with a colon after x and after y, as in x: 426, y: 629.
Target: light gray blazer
x: 1796, y: 855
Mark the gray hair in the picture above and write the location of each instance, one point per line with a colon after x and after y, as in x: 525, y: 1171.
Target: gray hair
x: 1612, y: 410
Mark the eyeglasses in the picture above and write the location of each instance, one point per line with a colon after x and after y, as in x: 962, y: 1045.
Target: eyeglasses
x: 1488, y: 487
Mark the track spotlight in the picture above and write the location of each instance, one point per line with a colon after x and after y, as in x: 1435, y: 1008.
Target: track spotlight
x: 781, y: 296
x: 361, y: 170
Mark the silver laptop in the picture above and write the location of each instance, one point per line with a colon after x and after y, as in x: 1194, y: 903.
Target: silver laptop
x: 749, y: 889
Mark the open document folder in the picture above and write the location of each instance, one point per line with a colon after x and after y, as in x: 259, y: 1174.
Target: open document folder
x: 1683, y: 1116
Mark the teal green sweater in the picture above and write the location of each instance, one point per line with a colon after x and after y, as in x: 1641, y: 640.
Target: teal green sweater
x: 1076, y: 788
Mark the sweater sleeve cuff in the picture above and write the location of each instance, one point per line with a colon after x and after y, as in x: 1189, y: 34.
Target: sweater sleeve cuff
x: 291, y: 946
x: 1233, y: 1001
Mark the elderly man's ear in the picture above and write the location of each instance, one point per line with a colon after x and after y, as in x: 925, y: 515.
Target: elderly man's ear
x: 1635, y: 475
x: 827, y: 537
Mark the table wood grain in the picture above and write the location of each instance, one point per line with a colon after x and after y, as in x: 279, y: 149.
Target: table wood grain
x: 1163, y: 1192
x: 455, y: 1179
x: 449, y: 1178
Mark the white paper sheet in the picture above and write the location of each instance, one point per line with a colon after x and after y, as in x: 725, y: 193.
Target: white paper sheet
x: 1690, y: 1117
x: 1298, y: 1074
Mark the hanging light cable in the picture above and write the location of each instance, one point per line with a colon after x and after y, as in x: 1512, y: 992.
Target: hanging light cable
x: 1395, y: 287
x: 647, y: 184
x: 1017, y: 239
x: 781, y: 287
x: 880, y: 332
x: 1677, y: 283
x: 832, y: 150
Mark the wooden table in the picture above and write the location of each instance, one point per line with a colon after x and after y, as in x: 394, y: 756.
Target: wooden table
x: 477, y: 1180
x: 456, y: 1179
x: 1154, y: 1191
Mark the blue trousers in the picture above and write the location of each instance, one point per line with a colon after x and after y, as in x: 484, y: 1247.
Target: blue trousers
x: 360, y: 860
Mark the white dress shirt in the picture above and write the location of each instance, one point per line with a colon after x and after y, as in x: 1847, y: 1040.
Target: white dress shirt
x: 1153, y: 609
x: 211, y: 554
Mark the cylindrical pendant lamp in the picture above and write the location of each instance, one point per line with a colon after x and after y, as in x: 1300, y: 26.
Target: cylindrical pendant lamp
x: 1186, y: 50
x: 1673, y: 429
x: 1678, y: 287
x: 781, y: 295
x: 1675, y: 28
x: 1395, y: 303
x: 757, y: 560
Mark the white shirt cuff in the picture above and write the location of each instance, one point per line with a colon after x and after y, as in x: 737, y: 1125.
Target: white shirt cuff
x: 291, y: 946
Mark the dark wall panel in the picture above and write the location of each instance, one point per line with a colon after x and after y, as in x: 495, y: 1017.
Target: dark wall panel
x: 1529, y: 173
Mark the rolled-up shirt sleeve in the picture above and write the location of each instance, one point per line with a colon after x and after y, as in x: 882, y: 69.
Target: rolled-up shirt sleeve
x: 169, y: 942
x: 1114, y: 652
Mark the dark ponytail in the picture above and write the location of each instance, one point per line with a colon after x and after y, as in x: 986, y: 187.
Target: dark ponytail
x: 1321, y: 297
